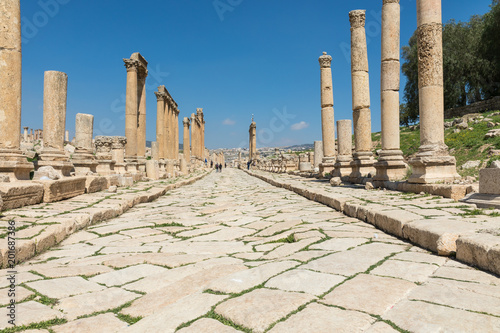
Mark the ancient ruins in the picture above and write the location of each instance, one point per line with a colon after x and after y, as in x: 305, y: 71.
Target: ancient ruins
x: 110, y: 234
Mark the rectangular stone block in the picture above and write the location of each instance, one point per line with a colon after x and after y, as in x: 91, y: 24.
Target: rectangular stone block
x: 57, y: 190
x: 390, y: 78
x: 489, y: 181
x: 20, y: 194
x: 360, y: 90
x: 96, y: 184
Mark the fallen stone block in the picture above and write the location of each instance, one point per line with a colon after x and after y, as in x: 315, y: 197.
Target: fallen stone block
x: 489, y: 181
x: 96, y: 184
x: 473, y: 250
x: 20, y: 194
x: 57, y: 190
x: 393, y: 221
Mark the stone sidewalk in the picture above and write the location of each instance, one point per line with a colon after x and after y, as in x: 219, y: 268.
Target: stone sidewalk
x: 41, y: 226
x: 440, y: 225
x: 232, y: 253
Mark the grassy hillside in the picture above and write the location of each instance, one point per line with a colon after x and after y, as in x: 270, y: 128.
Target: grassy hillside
x: 467, y: 145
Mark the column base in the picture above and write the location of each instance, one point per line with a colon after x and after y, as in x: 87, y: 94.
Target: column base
x: 390, y: 166
x: 105, y: 167
x: 326, y: 166
x: 141, y: 164
x: 120, y: 168
x: 343, y: 167
x: 83, y: 167
x: 14, y: 165
x: 433, y: 169
x: 362, y: 166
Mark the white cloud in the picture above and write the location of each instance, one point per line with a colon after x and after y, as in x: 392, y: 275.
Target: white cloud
x: 228, y: 122
x: 299, y: 126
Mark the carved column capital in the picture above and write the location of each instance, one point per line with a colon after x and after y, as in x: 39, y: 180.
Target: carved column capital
x: 325, y: 61
x: 357, y: 18
x: 131, y: 65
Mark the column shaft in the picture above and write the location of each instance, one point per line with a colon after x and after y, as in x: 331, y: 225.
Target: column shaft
x: 131, y: 116
x: 54, y: 110
x: 160, y: 126
x: 141, y: 126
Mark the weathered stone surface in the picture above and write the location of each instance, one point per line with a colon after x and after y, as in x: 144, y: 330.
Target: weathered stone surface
x: 64, y: 287
x: 338, y: 244
x: 57, y: 190
x: 368, y: 293
x: 170, y: 317
x: 105, y: 323
x: 208, y: 326
x: 414, y: 272
x: 32, y: 312
x: 19, y: 194
x: 240, y: 281
x: 84, y: 304
x: 354, y: 261
x: 320, y: 318
x: 66, y: 271
x: 489, y: 181
x: 305, y: 281
x: 258, y: 309
x: 122, y: 276
x: 423, y: 317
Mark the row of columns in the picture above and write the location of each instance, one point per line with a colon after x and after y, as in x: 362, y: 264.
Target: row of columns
x: 167, y: 125
x: 198, y: 135
x: 433, y: 162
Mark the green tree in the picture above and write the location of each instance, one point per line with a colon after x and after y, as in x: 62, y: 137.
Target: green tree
x: 409, y: 110
x: 490, y: 49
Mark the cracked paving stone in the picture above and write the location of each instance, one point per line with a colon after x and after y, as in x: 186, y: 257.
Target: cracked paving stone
x: 107, y: 322
x: 305, y: 281
x: 369, y: 293
x: 64, y: 287
x: 206, y: 325
x: 129, y: 274
x: 320, y: 318
x: 30, y: 312
x: 260, y: 308
x: 411, y: 271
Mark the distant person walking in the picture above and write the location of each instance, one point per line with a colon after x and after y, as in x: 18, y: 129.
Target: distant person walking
x: 248, y: 164
x: 211, y: 164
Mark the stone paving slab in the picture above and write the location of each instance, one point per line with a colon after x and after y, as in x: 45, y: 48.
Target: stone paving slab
x: 318, y: 271
x: 422, y: 219
x: 77, y: 213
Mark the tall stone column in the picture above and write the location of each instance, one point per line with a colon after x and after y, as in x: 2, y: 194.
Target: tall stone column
x: 318, y: 153
x: 160, y: 123
x: 155, y: 151
x: 167, y: 129
x: 13, y: 164
x: 55, y: 93
x: 187, y: 148
x: 362, y: 164
x: 176, y: 128
x: 391, y: 165
x: 25, y: 134
x: 327, y: 115
x: 83, y: 158
x: 194, y: 143
x: 343, y: 167
x: 253, y: 140
x: 131, y: 107
x: 432, y: 162
x: 141, y: 128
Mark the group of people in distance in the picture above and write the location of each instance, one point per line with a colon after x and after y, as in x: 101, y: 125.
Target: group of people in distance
x: 218, y: 166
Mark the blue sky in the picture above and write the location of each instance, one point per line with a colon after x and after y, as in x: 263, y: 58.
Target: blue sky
x: 233, y: 58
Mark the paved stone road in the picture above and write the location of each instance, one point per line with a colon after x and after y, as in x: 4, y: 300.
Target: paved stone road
x: 231, y: 253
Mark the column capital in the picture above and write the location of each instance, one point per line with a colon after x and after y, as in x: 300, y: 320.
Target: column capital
x: 186, y: 121
x: 325, y: 61
x: 131, y: 65
x: 357, y: 18
x: 160, y: 96
x: 390, y: 1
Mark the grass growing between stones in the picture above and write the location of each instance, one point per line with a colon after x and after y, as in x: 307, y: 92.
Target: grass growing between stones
x: 36, y: 326
x: 289, y: 239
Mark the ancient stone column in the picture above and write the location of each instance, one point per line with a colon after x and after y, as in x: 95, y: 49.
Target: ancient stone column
x: 187, y: 148
x: 391, y: 165
x: 32, y: 138
x: 176, y: 129
x: 55, y: 93
x: 141, y: 129
x: 25, y: 134
x: 66, y: 136
x: 327, y: 115
x: 13, y: 164
x: 253, y: 140
x: 362, y: 164
x: 131, y: 107
x: 155, y: 151
x: 83, y: 158
x: 118, y: 154
x: 432, y: 162
x: 167, y: 129
x: 318, y: 153
x: 194, y: 146
x: 160, y: 121
x: 344, y: 157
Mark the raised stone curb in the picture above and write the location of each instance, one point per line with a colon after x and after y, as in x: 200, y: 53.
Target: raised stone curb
x: 78, y: 219
x: 442, y: 235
